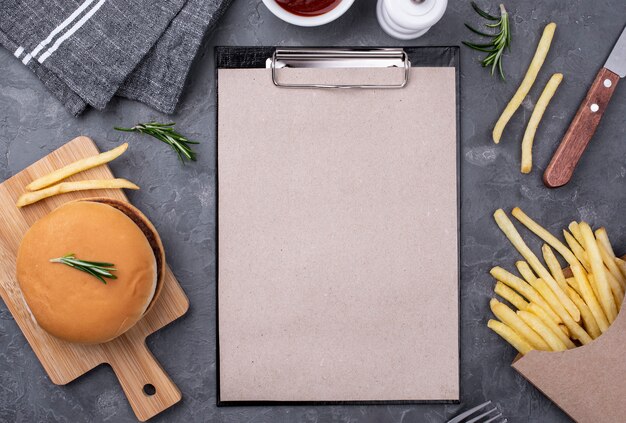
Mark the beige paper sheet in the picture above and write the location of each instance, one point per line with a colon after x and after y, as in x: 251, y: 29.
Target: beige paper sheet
x: 338, y: 267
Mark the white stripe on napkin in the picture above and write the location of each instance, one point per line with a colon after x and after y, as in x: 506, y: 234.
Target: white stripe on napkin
x: 71, y: 32
x: 58, y: 29
x: 19, y: 52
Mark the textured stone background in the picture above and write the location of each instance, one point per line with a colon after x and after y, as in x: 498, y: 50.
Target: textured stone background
x: 180, y: 200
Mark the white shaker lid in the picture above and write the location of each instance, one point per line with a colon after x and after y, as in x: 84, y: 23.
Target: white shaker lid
x: 415, y: 14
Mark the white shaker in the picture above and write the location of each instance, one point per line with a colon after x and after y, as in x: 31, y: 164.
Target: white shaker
x: 408, y: 19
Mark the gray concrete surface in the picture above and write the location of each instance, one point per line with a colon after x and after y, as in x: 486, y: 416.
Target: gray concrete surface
x: 180, y: 200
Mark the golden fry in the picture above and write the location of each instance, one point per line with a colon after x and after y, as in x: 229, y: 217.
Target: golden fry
x: 573, y: 284
x: 524, y: 289
x: 524, y: 269
x: 560, y: 330
x: 590, y: 322
x: 576, y: 330
x: 603, y: 238
x: 586, y: 292
x: 592, y: 282
x: 529, y: 79
x: 510, y: 336
x: 578, y: 251
x: 511, y: 319
x: 554, y: 266
x: 511, y: 233
x: 542, y: 233
x: 65, y: 187
x: 621, y: 264
x: 510, y: 295
x: 76, y: 167
x: 536, y: 324
x: 599, y: 274
x: 540, y: 108
x: 616, y: 288
x: 609, y: 261
x: 575, y: 230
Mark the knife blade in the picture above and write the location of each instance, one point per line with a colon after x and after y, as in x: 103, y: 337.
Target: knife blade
x: 587, y: 118
x: 616, y: 62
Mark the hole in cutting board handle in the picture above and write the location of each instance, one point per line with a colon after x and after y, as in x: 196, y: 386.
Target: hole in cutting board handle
x: 149, y: 389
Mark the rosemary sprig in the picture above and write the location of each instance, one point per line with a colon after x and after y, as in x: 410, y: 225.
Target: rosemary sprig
x: 165, y: 132
x: 498, y: 41
x: 96, y: 269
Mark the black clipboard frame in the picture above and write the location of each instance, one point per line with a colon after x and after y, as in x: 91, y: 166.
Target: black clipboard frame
x: 227, y: 57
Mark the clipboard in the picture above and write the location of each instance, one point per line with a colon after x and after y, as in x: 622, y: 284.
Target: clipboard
x: 315, y: 290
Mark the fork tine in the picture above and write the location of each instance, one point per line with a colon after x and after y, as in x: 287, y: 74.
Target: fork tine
x: 469, y: 412
x: 475, y: 419
x: 495, y: 417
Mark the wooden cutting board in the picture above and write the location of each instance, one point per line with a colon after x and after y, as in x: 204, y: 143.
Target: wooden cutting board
x: 132, y: 362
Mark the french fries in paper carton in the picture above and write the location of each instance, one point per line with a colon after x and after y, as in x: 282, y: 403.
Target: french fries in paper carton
x: 555, y: 318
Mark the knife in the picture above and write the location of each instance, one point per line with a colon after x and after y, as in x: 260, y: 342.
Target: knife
x: 584, y: 124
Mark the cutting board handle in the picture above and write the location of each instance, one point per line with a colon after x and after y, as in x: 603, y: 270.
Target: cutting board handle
x: 580, y: 131
x: 146, y: 385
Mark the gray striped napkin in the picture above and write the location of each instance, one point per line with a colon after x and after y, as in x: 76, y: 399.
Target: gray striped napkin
x: 87, y: 51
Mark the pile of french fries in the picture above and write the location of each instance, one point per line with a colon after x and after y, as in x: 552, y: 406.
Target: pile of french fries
x: 50, y: 184
x: 549, y: 308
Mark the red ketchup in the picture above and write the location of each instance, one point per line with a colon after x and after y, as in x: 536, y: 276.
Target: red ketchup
x: 308, y: 7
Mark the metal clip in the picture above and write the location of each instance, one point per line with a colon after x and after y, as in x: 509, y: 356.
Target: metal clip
x: 339, y: 58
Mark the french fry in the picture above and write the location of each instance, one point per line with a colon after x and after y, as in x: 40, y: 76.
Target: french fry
x: 584, y: 288
x: 511, y: 319
x: 560, y: 330
x: 609, y: 262
x: 576, y: 330
x: 592, y: 282
x: 621, y: 264
x: 578, y: 250
x: 65, y: 187
x: 554, y: 266
x: 76, y: 167
x: 525, y: 290
x: 529, y: 79
x: 524, y: 269
x: 510, y: 336
x: 536, y: 324
x: 616, y: 289
x: 540, y: 108
x: 510, y: 295
x: 542, y: 233
x: 573, y: 284
x: 599, y: 274
x: 589, y: 321
x: 603, y: 238
x: 511, y: 233
x: 575, y: 230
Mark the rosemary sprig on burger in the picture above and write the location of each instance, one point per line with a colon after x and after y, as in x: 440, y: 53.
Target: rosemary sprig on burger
x: 97, y: 269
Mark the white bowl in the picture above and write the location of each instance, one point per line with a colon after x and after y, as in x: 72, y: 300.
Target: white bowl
x: 318, y: 20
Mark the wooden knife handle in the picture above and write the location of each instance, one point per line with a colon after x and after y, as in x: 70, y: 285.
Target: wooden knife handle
x: 580, y: 131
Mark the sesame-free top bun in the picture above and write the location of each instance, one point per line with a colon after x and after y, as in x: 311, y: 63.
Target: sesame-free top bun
x: 73, y: 305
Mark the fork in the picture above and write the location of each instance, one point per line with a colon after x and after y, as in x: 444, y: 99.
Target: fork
x: 483, y: 417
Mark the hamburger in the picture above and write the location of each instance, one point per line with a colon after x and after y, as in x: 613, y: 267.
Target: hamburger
x: 73, y: 305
